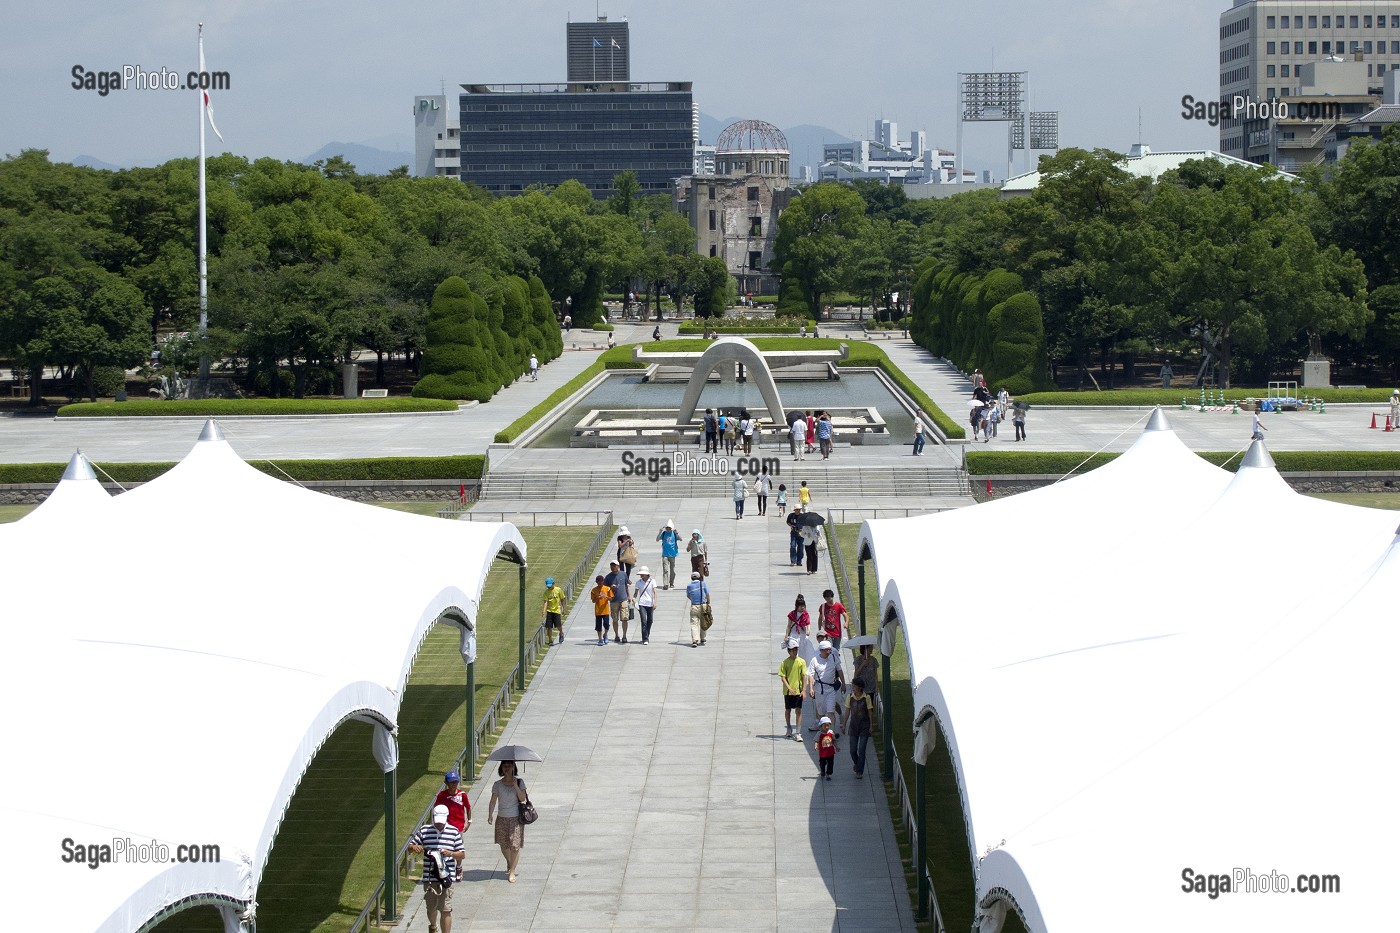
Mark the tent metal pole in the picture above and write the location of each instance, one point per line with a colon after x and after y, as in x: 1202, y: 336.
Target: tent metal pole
x: 391, y: 849
x: 860, y: 586
x: 520, y: 678
x: 920, y: 842
x: 887, y: 704
x: 469, y: 759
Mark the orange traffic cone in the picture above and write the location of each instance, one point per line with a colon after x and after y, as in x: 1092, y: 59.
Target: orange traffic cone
x: 1373, y: 420
x: 989, y: 485
x: 1388, y: 425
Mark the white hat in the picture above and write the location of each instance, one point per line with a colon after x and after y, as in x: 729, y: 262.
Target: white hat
x: 670, y: 524
x: 645, y: 571
x: 825, y: 721
x: 623, y: 531
x: 823, y: 645
x: 791, y: 643
x: 440, y: 814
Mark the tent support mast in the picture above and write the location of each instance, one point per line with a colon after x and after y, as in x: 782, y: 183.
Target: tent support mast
x: 520, y: 678
x: 887, y: 705
x: 469, y: 759
x: 391, y: 869
x: 860, y: 587
x: 920, y: 842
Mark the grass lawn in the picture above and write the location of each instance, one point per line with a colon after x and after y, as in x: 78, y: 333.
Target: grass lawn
x: 13, y: 513
x: 946, y: 845
x: 1371, y: 500
x: 329, y: 852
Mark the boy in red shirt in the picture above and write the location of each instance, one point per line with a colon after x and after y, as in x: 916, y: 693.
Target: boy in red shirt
x: 826, y: 749
x: 459, y: 808
x: 834, y: 621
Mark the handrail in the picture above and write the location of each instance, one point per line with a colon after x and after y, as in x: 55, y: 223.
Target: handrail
x: 490, y: 721
x: 590, y: 557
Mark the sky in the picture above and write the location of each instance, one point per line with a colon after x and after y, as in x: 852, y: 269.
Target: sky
x: 308, y: 73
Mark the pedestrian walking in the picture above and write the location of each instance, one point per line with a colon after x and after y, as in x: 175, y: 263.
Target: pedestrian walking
x: 553, y: 612
x: 746, y: 428
x: 795, y: 542
x: 762, y: 487
x: 618, y: 605
x: 989, y: 423
x: 534, y: 368
x: 867, y: 669
x: 792, y: 672
x: 1018, y: 419
x: 568, y: 323
x: 699, y: 554
x: 811, y: 543
x: 627, y: 554
x: 835, y: 622
x: 670, y: 549
x: 797, y: 437
x: 741, y: 492
x: 601, y: 594
x: 811, y: 432
x: 827, y: 747
x: 825, y: 680
x: 731, y: 434
x: 782, y: 499
x: 804, y: 495
x: 507, y: 795
x: 1258, y: 429
x: 441, y: 846
x: 824, y: 432
x: 698, y: 592
x: 646, y: 602
x: 918, y: 434
x: 798, y: 621
x: 458, y: 804
x: 711, y: 424
x: 859, y: 718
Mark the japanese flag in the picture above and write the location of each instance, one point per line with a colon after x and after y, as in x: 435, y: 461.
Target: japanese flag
x: 208, y: 109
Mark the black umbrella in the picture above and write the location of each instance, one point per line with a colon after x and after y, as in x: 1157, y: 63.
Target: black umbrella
x: 812, y: 519
x: 794, y: 416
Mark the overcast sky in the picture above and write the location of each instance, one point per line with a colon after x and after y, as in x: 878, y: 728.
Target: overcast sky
x: 308, y: 73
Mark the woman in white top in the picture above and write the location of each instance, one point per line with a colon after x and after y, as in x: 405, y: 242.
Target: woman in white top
x: 645, y: 590
x: 763, y: 486
x: 508, y: 793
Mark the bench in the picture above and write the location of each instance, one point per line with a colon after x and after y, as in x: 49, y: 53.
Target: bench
x: 671, y: 437
x: 19, y: 390
x: 374, y: 393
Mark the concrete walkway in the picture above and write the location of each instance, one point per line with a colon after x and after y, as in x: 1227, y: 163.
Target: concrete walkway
x: 668, y: 796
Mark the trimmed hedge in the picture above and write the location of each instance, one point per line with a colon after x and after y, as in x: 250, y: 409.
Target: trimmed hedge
x: 217, y: 407
x: 456, y: 469
x: 1171, y: 398
x: 868, y: 354
x: 699, y: 328
x: 1058, y: 463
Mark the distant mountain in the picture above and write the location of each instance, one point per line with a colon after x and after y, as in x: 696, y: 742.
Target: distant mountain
x: 804, y: 142
x: 87, y: 161
x: 366, y: 159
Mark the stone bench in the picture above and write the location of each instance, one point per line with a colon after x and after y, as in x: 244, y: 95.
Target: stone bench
x: 374, y: 393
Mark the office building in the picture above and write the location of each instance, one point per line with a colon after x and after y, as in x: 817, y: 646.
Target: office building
x: 599, y: 51
x: 888, y: 160
x: 1264, y: 48
x: 510, y: 137
x: 436, y: 137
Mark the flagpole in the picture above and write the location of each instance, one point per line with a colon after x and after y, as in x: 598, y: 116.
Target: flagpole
x: 203, y: 241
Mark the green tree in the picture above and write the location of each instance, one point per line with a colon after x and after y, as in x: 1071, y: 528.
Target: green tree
x: 456, y: 364
x: 815, y: 233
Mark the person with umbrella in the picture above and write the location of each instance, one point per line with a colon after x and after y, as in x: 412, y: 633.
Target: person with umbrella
x: 860, y: 716
x: 866, y: 669
x: 507, y: 795
x: 811, y: 531
x: 794, y: 523
x: 975, y: 416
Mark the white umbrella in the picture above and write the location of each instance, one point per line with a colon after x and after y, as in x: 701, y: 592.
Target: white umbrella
x: 860, y: 641
x: 976, y: 403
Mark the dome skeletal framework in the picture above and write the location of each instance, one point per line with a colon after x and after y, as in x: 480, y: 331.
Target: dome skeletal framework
x: 751, y: 136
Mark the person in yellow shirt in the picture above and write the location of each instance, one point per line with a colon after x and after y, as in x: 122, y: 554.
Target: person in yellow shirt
x: 602, y: 608
x: 792, y: 672
x: 553, y: 612
x: 804, y: 495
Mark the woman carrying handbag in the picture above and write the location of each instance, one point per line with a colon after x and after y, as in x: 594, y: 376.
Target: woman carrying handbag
x: 515, y: 811
x: 699, y: 554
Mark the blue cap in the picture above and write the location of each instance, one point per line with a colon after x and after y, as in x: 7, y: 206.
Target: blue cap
x: 548, y: 581
x: 451, y: 776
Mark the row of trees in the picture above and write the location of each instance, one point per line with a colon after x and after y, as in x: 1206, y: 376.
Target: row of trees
x: 982, y: 322
x: 1224, y: 262
x: 308, y: 265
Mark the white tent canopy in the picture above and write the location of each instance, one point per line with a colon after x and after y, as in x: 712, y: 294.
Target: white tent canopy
x: 1178, y: 698
x: 182, y: 699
